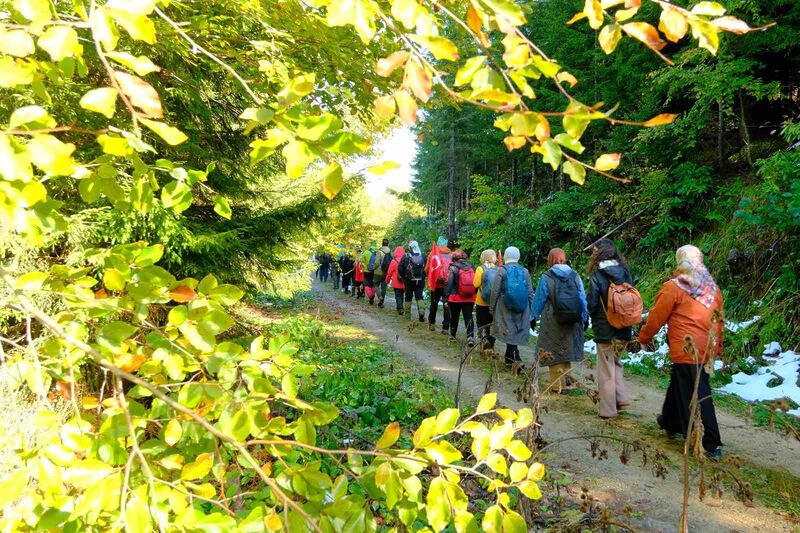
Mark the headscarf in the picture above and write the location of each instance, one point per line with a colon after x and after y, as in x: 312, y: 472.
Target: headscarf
x: 459, y: 254
x: 511, y: 255
x: 414, y: 245
x: 488, y: 258
x: 692, y: 276
x: 556, y: 256
x: 441, y: 241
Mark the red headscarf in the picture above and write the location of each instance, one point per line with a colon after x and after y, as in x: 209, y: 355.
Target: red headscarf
x: 556, y: 257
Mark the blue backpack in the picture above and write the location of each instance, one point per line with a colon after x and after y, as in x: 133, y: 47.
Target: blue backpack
x: 515, y: 296
x: 487, y: 280
x: 371, y: 265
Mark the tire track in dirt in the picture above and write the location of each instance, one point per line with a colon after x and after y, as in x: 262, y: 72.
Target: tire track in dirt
x: 657, y: 502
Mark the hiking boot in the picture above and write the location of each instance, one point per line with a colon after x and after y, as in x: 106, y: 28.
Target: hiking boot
x: 660, y: 422
x: 451, y: 340
x: 400, y: 312
x: 380, y: 303
x: 431, y: 327
x: 445, y: 331
x: 371, y: 301
x: 421, y: 317
x: 714, y: 455
x: 470, y: 342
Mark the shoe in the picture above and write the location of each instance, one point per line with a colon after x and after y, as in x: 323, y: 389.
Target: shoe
x: 660, y: 422
x: 400, y: 311
x: 380, y: 303
x: 452, y: 340
x: 422, y: 318
x: 714, y: 455
x: 445, y: 331
x: 431, y: 327
x: 471, y: 343
x: 372, y: 301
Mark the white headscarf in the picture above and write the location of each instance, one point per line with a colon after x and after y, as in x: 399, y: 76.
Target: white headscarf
x: 414, y: 245
x: 511, y: 255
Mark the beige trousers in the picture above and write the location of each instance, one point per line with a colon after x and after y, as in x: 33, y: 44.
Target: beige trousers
x: 610, y: 381
x: 557, y: 377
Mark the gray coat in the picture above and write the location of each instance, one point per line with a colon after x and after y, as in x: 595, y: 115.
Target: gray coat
x: 510, y: 327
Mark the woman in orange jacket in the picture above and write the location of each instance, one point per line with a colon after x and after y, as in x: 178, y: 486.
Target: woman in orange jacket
x: 690, y: 304
x: 394, y: 278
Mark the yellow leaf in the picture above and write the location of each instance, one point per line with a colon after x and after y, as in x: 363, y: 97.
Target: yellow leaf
x: 103, y: 101
x: 389, y: 437
x: 441, y: 47
x: 59, y: 42
x: 385, y: 106
x: 624, y: 14
x: 594, y: 12
x: 104, y: 29
x: 15, y: 72
x: 359, y: 13
x: 660, y: 120
x: 567, y: 77
x: 383, y: 168
x: 645, y: 33
x: 530, y: 489
x: 465, y: 73
x: 513, y: 142
x: 536, y: 471
x: 141, y: 65
x: 487, y: 402
x: 609, y: 37
x: 418, y: 80
x: 298, y: 156
x: 518, y: 471
x: 31, y: 116
x: 139, y: 27
x: 141, y: 94
x: 517, y: 56
x: 332, y: 180
x: 171, y: 135
x: 711, y: 9
x: 133, y: 7
x: 37, y: 11
x: 407, y: 12
x: 18, y: 43
x: 198, y: 468
x: 474, y: 20
x: 389, y: 64
x: 407, y: 107
x: 575, y: 171
x: 707, y: 34
x: 607, y: 162
x: 51, y: 155
x: 173, y: 432
x: 673, y: 23
x: 576, y: 18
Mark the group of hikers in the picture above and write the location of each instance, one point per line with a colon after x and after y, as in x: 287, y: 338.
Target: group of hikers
x: 507, y: 308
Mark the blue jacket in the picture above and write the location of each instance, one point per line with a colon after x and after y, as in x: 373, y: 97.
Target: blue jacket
x: 543, y: 292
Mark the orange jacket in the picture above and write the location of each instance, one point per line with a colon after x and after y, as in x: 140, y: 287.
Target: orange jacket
x: 393, y: 275
x: 685, y: 317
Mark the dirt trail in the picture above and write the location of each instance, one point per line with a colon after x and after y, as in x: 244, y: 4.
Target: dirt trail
x: 657, y: 501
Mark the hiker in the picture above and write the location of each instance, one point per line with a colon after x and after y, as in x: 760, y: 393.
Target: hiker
x: 484, y: 278
x: 368, y: 260
x: 394, y: 278
x: 348, y: 266
x: 459, y: 295
x: 560, y: 301
x: 358, y: 276
x: 383, y: 257
x: 691, y: 305
x: 438, y: 268
x: 336, y: 274
x: 324, y: 266
x: 609, y: 276
x: 512, y: 296
x: 412, y: 270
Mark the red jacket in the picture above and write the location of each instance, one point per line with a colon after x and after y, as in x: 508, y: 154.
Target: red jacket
x: 393, y: 276
x: 359, y: 272
x: 685, y: 317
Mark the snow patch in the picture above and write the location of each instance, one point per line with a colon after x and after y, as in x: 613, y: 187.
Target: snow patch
x: 736, y: 327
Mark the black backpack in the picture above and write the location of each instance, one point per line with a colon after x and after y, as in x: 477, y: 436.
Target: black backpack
x: 566, y: 300
x: 385, y: 262
x: 415, y: 268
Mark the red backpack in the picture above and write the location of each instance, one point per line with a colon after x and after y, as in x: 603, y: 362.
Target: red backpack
x: 466, y: 285
x: 443, y: 271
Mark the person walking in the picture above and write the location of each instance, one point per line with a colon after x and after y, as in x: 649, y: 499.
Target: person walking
x: 324, y: 266
x: 439, y: 265
x: 607, y: 266
x: 412, y: 269
x: 358, y: 276
x: 459, y: 294
x: 560, y: 302
x: 690, y: 304
x: 383, y: 256
x: 394, y: 278
x: 348, y: 266
x: 484, y: 279
x: 336, y: 274
x: 368, y: 261
x: 512, y: 296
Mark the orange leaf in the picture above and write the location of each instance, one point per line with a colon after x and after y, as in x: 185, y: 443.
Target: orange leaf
x: 131, y: 362
x: 389, y: 64
x: 183, y: 294
x: 513, y: 142
x: 406, y: 107
x: 64, y: 388
x: 633, y: 3
x: 660, y: 120
x: 474, y: 19
x: 99, y: 295
x: 141, y: 94
x: 418, y: 80
x: 90, y: 402
x: 384, y: 106
x: 646, y: 34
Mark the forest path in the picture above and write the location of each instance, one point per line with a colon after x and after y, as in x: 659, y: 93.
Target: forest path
x: 656, y: 503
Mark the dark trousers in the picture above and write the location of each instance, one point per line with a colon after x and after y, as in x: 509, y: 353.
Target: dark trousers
x: 369, y: 279
x: 358, y: 288
x: 380, y: 286
x: 484, y: 319
x: 675, y: 412
x: 436, y: 297
x: 347, y: 280
x: 398, y: 298
x: 414, y: 290
x: 336, y: 276
x: 465, y: 310
x: 323, y: 273
x: 512, y: 354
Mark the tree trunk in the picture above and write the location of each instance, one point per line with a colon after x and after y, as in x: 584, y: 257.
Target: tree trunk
x: 745, y: 132
x: 451, y: 188
x: 720, y: 133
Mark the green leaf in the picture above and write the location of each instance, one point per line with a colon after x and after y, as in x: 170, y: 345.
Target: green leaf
x: 141, y: 65
x: 240, y: 427
x: 344, y: 143
x: 569, y: 142
x: 289, y: 385
x: 446, y: 420
x: 222, y: 207
x: 487, y: 402
x: 171, y: 135
x: 173, y: 432
x: 389, y: 437
x: 332, y: 180
x: 177, y: 315
x: 298, y: 156
x: 103, y: 101
x: 199, y: 468
x: 314, y: 127
x: 511, y: 10
x: 437, y: 507
x: 199, y: 336
x: 149, y: 255
x: 575, y: 171
x: 176, y: 195
x: 441, y: 47
x: 113, y: 280
x: 551, y: 153
x: 31, y: 281
x: 465, y: 73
